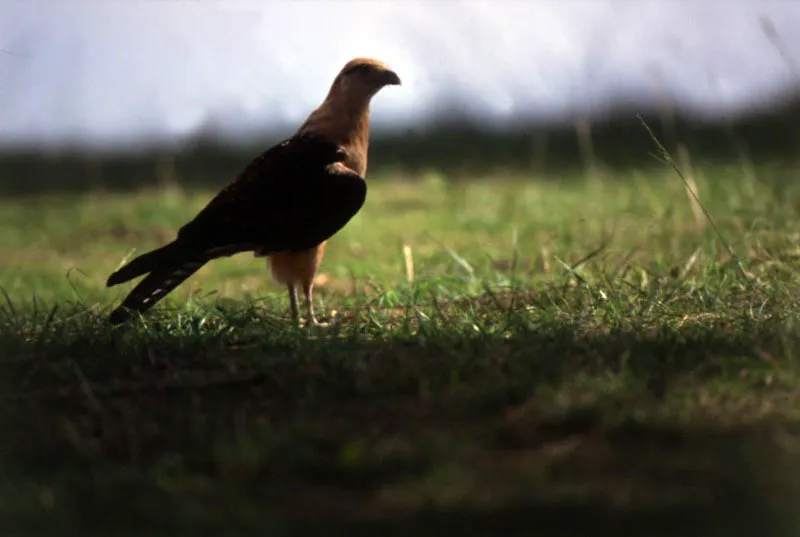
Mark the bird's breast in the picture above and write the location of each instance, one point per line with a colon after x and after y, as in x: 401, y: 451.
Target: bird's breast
x: 356, y: 159
x: 296, y: 267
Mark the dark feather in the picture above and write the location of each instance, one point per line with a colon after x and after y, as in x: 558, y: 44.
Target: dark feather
x: 160, y: 257
x: 294, y: 196
x: 153, y: 288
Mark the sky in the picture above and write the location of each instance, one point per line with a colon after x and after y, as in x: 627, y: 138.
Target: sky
x: 123, y: 73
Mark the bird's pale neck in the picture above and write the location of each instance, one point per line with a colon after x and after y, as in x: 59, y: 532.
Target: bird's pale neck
x: 343, y: 120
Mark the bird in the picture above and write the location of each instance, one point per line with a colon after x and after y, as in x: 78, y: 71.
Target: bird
x: 283, y: 206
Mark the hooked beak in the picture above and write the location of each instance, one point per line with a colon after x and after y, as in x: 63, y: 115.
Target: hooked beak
x: 390, y: 78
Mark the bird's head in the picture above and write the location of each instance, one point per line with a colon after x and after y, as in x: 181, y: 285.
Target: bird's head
x: 344, y: 114
x: 361, y: 78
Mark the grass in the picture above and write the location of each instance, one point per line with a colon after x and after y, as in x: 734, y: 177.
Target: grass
x: 571, y: 356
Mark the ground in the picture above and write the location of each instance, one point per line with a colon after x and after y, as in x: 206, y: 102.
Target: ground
x: 510, y: 354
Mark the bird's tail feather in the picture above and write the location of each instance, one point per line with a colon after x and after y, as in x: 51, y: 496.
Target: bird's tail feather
x: 154, y: 287
x: 168, y: 255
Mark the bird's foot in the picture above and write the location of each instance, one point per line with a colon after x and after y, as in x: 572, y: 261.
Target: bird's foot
x: 314, y: 322
x: 309, y: 321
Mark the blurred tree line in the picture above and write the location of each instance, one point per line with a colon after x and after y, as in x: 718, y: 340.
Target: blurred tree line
x: 455, y: 148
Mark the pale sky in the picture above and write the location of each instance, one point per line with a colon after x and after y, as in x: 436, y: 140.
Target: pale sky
x: 102, y: 73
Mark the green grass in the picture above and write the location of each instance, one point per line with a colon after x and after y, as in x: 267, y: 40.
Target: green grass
x: 572, y: 357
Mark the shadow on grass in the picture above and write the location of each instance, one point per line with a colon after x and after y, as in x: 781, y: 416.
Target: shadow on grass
x: 550, y: 428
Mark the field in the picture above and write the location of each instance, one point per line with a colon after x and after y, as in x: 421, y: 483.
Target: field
x: 508, y: 354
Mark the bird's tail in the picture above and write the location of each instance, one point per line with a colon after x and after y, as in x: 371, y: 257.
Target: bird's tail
x: 167, y: 255
x: 168, y: 267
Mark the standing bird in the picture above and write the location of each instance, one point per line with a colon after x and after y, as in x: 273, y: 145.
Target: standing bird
x: 284, y: 205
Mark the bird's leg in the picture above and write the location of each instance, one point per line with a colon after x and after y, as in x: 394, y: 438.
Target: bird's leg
x: 293, y: 302
x: 310, y: 318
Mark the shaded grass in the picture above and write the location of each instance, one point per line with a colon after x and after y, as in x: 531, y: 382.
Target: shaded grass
x: 572, y: 357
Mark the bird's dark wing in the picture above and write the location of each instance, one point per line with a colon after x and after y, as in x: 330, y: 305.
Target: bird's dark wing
x: 292, y: 197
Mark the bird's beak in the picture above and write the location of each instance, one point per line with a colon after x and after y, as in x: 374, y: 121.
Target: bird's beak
x: 390, y: 78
